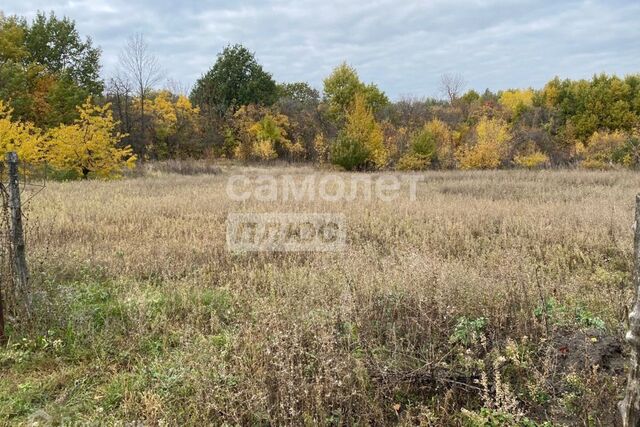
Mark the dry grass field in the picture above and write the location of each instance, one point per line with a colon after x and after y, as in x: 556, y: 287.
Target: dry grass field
x: 494, y: 298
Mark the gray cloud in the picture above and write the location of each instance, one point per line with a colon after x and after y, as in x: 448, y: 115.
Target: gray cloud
x: 402, y: 46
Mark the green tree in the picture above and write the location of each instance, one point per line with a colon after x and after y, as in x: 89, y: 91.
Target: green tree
x: 470, y: 96
x: 12, y: 34
x: 236, y: 79
x: 341, y: 87
x: 15, y: 84
x: 62, y: 98
x: 46, y: 70
x: 299, y: 92
x: 603, y: 103
x: 55, y: 44
x: 421, y: 153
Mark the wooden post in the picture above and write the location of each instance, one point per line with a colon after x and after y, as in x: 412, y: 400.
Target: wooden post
x: 17, y: 233
x: 630, y: 405
x: 3, y: 337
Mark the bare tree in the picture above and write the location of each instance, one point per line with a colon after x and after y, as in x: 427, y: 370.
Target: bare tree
x: 451, y: 85
x: 140, y: 66
x: 119, y: 91
x: 177, y: 87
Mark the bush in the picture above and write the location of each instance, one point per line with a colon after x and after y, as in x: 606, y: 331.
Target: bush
x: 424, y: 144
x: 631, y: 151
x: 491, y: 146
x: 535, y: 160
x: 605, y: 150
x: 413, y: 162
x: 349, y: 153
x: 445, y: 146
x: 433, y: 142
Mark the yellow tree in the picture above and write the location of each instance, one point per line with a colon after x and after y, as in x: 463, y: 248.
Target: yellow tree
x: 174, y: 120
x: 12, y: 35
x: 433, y: 142
x: 361, y: 143
x: 604, y: 149
x: 90, y: 144
x: 445, y: 143
x: 517, y: 100
x: 22, y: 137
x: 164, y: 115
x: 491, y: 147
x: 239, y: 140
x: 271, y: 136
x: 258, y: 133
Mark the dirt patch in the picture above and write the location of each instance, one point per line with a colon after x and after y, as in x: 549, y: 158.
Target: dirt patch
x: 583, y: 349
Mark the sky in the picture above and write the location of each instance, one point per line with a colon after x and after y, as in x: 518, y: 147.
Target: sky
x: 404, y: 46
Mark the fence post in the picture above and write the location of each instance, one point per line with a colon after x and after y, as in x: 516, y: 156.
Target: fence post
x: 3, y: 337
x: 630, y: 405
x: 3, y: 286
x: 17, y: 232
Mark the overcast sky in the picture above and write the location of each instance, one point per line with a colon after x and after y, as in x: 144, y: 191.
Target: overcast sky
x: 404, y: 46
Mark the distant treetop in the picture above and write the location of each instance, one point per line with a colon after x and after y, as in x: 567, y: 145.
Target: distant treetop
x: 236, y: 79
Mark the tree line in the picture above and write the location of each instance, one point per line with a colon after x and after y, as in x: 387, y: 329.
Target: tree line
x: 55, y: 108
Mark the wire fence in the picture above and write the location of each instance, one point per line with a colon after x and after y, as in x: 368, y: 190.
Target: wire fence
x: 15, y: 292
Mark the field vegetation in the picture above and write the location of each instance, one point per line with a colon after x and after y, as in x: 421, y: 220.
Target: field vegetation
x: 495, y: 297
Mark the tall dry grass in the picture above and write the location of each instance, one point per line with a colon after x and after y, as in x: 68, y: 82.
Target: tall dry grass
x: 494, y: 294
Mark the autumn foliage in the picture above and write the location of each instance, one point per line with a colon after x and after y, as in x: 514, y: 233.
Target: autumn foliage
x: 87, y: 147
x: 21, y: 137
x: 360, y: 144
x: 238, y: 111
x: 490, y: 147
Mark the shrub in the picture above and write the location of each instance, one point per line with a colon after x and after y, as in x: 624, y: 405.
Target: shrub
x: 321, y: 148
x: 535, y: 160
x: 491, y: 146
x: 413, y: 162
x: 445, y: 145
x: 434, y: 142
x: 467, y: 330
x: 604, y: 150
x: 349, y: 153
